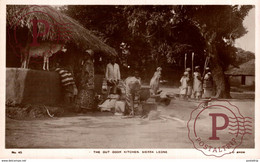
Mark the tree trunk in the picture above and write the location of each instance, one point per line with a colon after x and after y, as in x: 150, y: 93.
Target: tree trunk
x: 221, y: 81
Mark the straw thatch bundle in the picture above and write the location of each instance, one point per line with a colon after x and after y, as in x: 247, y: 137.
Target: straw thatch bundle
x: 62, y: 28
x: 247, y: 69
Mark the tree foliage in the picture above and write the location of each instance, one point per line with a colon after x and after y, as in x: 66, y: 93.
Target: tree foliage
x: 161, y: 35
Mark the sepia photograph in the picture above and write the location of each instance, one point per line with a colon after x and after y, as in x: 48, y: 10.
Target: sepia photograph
x: 130, y: 77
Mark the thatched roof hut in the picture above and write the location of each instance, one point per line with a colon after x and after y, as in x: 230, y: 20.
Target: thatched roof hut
x: 62, y: 28
x: 246, y: 69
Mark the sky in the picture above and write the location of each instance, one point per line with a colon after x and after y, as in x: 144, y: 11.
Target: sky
x: 247, y: 42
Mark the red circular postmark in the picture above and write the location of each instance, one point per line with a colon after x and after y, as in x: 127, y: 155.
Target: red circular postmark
x: 41, y: 21
x: 218, y: 128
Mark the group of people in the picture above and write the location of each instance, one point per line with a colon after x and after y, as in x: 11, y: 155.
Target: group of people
x: 83, y: 95
x: 196, y: 84
x: 131, y: 86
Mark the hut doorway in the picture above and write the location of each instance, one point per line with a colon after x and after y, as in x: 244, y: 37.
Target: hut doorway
x: 243, y: 80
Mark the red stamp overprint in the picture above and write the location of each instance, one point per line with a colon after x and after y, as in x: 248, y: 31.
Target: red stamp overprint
x: 218, y: 129
x: 44, y: 24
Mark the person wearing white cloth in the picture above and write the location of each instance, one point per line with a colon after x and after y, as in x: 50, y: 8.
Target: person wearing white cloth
x: 112, y: 74
x: 197, y: 83
x: 208, y: 84
x: 184, y: 85
x: 155, y: 81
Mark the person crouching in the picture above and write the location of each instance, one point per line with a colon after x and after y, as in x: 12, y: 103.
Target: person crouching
x: 132, y: 90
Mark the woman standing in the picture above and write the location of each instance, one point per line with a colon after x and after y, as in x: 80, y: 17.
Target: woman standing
x: 189, y: 90
x: 184, y: 85
x: 85, y: 98
x: 154, y: 83
x: 197, y: 83
x: 208, y: 84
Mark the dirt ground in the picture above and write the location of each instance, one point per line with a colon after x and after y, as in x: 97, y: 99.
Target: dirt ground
x: 104, y: 130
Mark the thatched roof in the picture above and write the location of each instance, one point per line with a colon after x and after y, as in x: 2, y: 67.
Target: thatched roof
x: 61, y: 26
x: 247, y: 68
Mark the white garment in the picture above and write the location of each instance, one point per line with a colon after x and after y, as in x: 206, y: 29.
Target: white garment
x: 113, y: 72
x: 119, y: 107
x: 154, y: 83
x: 184, y: 82
x: 197, y: 84
x: 107, y: 105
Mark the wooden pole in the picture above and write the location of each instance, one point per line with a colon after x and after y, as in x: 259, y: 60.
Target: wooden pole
x: 185, y: 62
x: 205, y: 65
x: 192, y: 63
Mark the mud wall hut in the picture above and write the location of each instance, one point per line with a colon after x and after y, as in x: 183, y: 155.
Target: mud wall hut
x: 24, y: 23
x: 242, y: 75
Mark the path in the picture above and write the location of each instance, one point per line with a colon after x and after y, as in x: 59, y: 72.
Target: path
x: 103, y: 130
